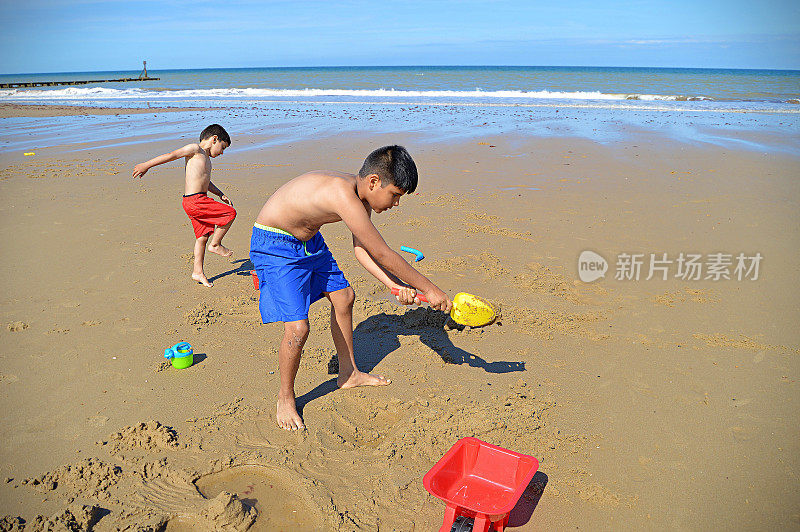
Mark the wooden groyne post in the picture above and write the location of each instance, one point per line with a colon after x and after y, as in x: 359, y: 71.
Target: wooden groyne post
x: 142, y: 77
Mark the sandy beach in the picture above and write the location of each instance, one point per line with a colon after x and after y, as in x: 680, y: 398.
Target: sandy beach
x: 651, y: 404
x: 15, y: 110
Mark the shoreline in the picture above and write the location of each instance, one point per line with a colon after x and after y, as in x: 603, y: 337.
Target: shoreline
x: 284, y: 123
x: 38, y: 110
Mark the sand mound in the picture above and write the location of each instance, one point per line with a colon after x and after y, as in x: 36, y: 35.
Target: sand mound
x: 11, y: 524
x: 142, y: 522
x: 148, y: 435
x: 75, y: 518
x: 90, y: 478
x: 226, y: 512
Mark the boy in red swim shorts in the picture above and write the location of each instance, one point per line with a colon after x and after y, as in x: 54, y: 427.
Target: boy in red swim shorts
x: 209, y: 217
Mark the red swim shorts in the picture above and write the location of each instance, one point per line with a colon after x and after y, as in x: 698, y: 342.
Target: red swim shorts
x: 205, y: 213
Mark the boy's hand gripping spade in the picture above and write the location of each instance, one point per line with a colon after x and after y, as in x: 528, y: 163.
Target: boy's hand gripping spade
x: 468, y: 309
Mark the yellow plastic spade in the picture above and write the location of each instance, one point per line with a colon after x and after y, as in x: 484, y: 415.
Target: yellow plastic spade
x: 468, y: 309
x: 472, y: 310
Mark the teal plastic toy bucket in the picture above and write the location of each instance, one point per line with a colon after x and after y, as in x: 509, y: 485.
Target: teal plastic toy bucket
x: 181, y: 355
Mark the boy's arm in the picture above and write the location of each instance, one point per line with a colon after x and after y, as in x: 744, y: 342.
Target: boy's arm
x: 406, y: 294
x: 214, y: 190
x: 190, y: 149
x: 354, y: 215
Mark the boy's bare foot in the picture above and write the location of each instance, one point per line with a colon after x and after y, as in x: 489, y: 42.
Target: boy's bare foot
x: 201, y: 278
x: 219, y: 249
x: 359, y: 378
x: 287, y: 416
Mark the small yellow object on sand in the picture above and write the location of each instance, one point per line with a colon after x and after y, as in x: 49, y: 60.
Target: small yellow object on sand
x: 29, y: 153
x: 472, y: 310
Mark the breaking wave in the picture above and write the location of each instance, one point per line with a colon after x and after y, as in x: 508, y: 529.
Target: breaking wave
x: 103, y: 93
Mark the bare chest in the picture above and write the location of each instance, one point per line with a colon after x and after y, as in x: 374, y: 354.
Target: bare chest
x: 198, y: 167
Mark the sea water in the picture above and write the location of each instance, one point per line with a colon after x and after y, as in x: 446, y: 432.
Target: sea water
x: 604, y: 103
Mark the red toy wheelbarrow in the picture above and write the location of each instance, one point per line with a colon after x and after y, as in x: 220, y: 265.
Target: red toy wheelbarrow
x: 481, y: 482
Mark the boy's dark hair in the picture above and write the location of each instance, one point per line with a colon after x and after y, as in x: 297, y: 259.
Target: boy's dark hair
x: 219, y: 131
x: 392, y: 164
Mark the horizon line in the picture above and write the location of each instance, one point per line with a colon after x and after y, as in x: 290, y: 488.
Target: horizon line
x: 399, y: 66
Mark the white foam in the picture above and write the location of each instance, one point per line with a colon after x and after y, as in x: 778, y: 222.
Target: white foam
x: 136, y: 97
x: 103, y: 93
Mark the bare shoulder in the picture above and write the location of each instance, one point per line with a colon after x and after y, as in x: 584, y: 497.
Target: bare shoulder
x: 342, y: 189
x: 334, y: 185
x: 190, y: 150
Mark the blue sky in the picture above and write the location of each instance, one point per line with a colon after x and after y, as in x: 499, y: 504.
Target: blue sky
x: 86, y: 35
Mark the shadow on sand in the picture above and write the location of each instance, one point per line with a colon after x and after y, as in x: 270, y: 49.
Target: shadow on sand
x: 243, y: 268
x: 524, y: 508
x: 378, y: 335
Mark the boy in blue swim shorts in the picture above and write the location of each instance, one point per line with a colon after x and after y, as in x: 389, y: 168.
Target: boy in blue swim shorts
x: 295, y: 268
x: 295, y: 273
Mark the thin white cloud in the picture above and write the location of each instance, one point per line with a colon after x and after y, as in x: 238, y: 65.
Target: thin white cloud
x: 665, y: 41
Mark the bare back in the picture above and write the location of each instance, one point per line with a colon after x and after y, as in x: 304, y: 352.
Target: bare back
x: 312, y: 200
x: 198, y: 171
x: 307, y: 202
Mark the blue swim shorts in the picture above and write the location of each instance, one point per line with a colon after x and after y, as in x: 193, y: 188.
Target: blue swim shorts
x: 292, y: 274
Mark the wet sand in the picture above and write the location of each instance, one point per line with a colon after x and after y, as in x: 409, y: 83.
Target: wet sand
x: 8, y: 110
x: 650, y: 404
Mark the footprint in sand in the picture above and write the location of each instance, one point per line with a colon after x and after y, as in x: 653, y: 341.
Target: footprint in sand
x: 260, y: 433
